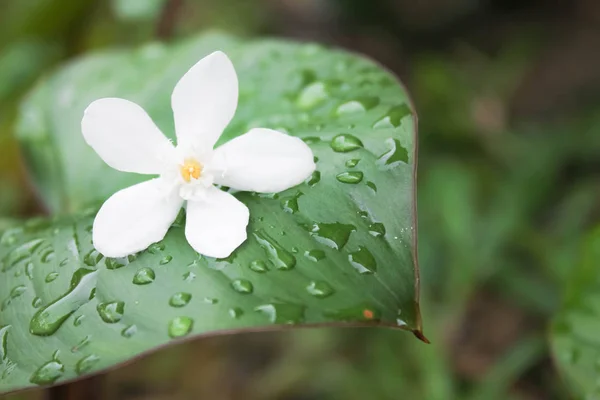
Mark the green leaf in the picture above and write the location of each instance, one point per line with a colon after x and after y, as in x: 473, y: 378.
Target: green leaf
x: 135, y: 10
x: 574, y: 334
x: 338, y: 248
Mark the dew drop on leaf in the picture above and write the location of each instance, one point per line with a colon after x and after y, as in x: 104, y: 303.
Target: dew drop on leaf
x: 144, y: 276
x: 363, y: 261
x: 180, y: 299
x: 86, y: 364
x: 351, y: 177
x: 111, y: 312
x: 242, y: 286
x: 345, y: 142
x: 319, y: 289
x: 180, y: 326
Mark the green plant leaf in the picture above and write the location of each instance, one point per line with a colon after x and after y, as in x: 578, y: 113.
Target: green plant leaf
x: 134, y: 10
x: 339, y: 248
x: 574, y: 334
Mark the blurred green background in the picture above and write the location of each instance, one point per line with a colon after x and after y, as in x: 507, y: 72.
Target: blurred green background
x: 508, y: 95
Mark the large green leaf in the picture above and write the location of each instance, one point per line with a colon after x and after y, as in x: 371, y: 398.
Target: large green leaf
x: 339, y: 248
x: 574, y: 334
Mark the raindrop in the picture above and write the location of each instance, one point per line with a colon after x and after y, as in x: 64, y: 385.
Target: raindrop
x: 20, y: 253
x: 393, y: 118
x: 350, y: 177
x: 377, y: 229
x: 357, y: 106
x: 334, y: 235
x: 312, y: 95
x: 314, y: 255
x: 210, y: 300
x: 313, y: 179
x: 352, y: 163
x: 48, y: 256
x: 129, y: 331
x: 111, y: 312
x: 14, y: 293
x: 92, y: 258
x: 64, y: 262
x: 282, y: 313
x: 189, y: 276
x: 4, y: 341
x: 319, y: 289
x: 86, y: 364
x: 166, y: 260
x: 48, y: 373
x: 144, y: 276
x: 48, y: 319
x: 311, y: 139
x: 290, y: 204
x: 372, y: 186
x: 242, y: 286
x: 345, y: 142
x: 84, y: 342
x: 78, y: 320
x: 114, y: 263
x: 281, y: 258
x: 180, y: 299
x: 258, y: 266
x: 36, y: 302
x: 156, y: 248
x: 180, y: 326
x: 235, y: 312
x: 29, y: 270
x: 395, y: 156
x: 363, y: 261
x: 51, y: 277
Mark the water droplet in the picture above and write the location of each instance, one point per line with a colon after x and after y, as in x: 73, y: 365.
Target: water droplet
x: 242, y: 286
x: 51, y: 277
x: 334, y: 235
x: 20, y: 253
x: 64, y: 262
x: 357, y: 106
x: 350, y: 177
x: 319, y: 289
x: 92, y: 258
x: 78, y: 320
x: 14, y: 293
x: 211, y: 300
x: 311, y: 139
x: 281, y: 258
x: 156, y: 248
x: 48, y: 319
x: 372, y: 186
x: 345, y: 142
x: 29, y: 270
x: 258, y: 266
x: 144, y: 276
x: 111, y: 312
x: 235, y: 312
x: 363, y: 261
x: 314, y: 255
x: 180, y: 326
x: 395, y: 156
x: 86, y: 364
x: 352, y: 163
x: 36, y: 302
x: 48, y: 373
x: 129, y: 331
x: 48, y: 256
x: 84, y: 342
x: 313, y: 179
x: 189, y: 276
x: 312, y: 95
x: 377, y: 229
x: 4, y: 341
x: 393, y: 118
x: 180, y: 299
x: 166, y: 260
x: 114, y: 263
x: 290, y: 204
x: 282, y: 313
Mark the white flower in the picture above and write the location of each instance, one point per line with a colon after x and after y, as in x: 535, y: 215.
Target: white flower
x: 203, y: 101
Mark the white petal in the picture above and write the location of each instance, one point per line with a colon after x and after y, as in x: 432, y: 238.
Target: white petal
x: 204, y: 101
x: 124, y: 136
x: 264, y: 160
x: 216, y: 226
x: 134, y: 218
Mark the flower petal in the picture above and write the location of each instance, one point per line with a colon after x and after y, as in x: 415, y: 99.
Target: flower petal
x: 216, y: 226
x: 204, y: 101
x: 264, y: 160
x: 134, y: 218
x: 124, y: 136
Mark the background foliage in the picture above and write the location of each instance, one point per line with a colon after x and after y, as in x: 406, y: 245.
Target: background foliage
x: 507, y: 94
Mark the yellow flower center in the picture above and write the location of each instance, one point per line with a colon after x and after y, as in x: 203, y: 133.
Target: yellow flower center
x: 190, y: 169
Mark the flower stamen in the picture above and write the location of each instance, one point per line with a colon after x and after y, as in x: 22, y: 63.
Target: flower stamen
x: 191, y: 168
